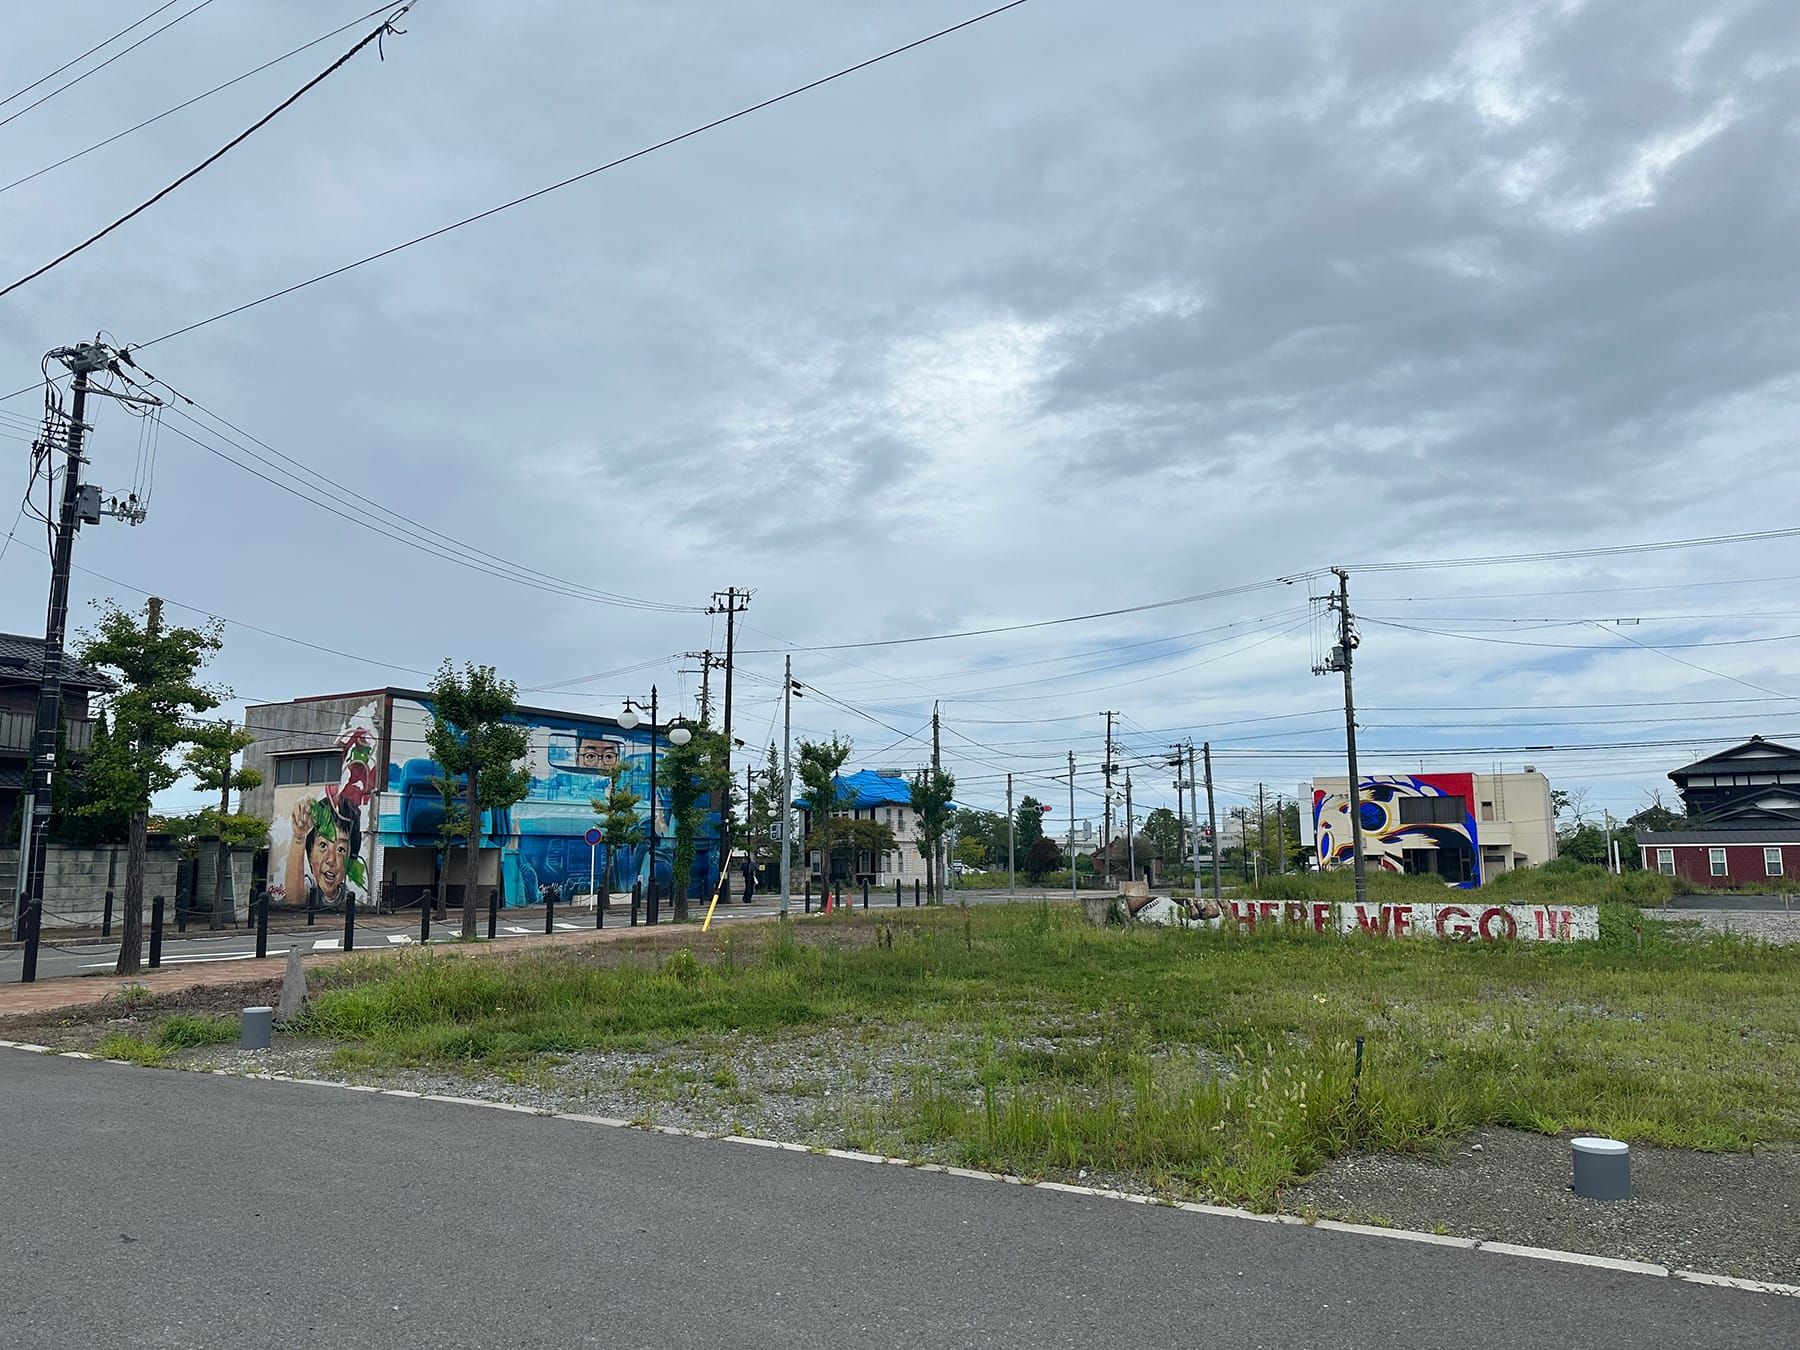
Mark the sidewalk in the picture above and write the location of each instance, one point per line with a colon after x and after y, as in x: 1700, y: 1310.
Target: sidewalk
x: 75, y: 991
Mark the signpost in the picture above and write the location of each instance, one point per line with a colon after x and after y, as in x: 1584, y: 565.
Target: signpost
x: 593, y: 843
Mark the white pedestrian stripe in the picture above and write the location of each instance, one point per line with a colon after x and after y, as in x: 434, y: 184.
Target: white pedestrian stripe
x: 332, y: 944
x: 515, y: 929
x: 408, y: 937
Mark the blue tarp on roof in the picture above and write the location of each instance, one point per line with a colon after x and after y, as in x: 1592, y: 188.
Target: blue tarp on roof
x: 869, y: 788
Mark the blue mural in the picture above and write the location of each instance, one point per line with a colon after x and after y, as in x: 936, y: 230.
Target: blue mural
x: 541, y: 838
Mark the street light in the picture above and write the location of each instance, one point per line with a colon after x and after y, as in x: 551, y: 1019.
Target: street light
x: 678, y: 735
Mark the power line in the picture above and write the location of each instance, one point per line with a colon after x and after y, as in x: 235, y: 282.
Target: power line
x: 589, y: 173
x: 1579, y: 646
x: 217, y: 88
x: 95, y: 70
x: 385, y: 26
x: 1568, y: 554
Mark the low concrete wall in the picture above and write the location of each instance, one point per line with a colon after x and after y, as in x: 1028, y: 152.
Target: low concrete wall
x: 76, y: 881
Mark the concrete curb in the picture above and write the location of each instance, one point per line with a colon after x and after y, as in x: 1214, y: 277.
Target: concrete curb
x: 1006, y: 1178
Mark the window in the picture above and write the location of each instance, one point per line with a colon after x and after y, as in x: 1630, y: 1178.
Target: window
x: 302, y: 770
x: 1716, y: 856
x: 1772, y: 862
x: 1665, y: 861
x: 1432, y: 810
x: 1487, y: 810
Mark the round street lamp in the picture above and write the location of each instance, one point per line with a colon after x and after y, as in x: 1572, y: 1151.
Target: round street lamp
x: 679, y: 735
x: 629, y: 718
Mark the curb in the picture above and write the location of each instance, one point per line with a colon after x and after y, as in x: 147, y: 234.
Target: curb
x: 1006, y: 1178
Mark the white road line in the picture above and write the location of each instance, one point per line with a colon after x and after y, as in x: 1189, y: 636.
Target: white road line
x: 399, y: 938
x: 326, y: 944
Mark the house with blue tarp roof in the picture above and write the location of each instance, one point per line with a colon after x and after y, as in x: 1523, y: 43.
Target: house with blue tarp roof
x: 883, y: 796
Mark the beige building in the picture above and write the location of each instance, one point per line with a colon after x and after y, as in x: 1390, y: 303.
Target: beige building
x: 1464, y: 827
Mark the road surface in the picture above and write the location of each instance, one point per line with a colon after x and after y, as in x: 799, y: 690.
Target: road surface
x: 160, y: 1210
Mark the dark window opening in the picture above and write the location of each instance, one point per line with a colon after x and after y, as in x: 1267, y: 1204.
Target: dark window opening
x: 1432, y: 810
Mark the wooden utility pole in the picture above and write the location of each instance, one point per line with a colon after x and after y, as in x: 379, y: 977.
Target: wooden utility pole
x: 1341, y: 659
x: 1212, y: 816
x: 1106, y: 777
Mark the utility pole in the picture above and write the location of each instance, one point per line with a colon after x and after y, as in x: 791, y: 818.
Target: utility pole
x: 1071, y: 850
x: 1212, y: 815
x: 1011, y: 833
x: 1180, y: 807
x: 1262, y: 830
x: 1280, y: 839
x: 1130, y: 835
x: 733, y: 603
x: 1341, y: 659
x: 1106, y: 777
x: 80, y: 505
x: 937, y: 845
x: 787, y: 780
x: 709, y: 662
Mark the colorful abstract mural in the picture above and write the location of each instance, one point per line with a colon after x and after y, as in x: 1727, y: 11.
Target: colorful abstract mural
x: 1410, y: 823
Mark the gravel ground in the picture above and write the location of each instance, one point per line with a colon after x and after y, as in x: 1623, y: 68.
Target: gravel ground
x: 1769, y: 926
x: 1724, y: 1213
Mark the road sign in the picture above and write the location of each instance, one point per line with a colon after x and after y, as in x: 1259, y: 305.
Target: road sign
x: 592, y: 836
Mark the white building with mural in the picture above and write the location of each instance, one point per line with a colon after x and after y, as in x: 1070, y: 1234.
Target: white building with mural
x: 351, y: 794
x: 1463, y: 827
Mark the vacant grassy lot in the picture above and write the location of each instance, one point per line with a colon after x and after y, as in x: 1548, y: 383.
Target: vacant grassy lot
x: 1213, y: 1063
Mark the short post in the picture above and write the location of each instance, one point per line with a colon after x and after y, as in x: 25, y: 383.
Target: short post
x: 181, y: 913
x: 1602, y: 1168
x: 493, y: 914
x: 262, y: 924
x: 349, y: 921
x: 424, y: 917
x: 156, y: 923
x: 600, y: 910
x: 865, y: 892
x: 808, y: 895
x: 550, y: 911
x: 896, y: 892
x: 256, y: 1029
x: 650, y: 897
x: 28, y: 930
x: 635, y: 896
x: 915, y: 892
x: 106, y: 917
x: 311, y: 909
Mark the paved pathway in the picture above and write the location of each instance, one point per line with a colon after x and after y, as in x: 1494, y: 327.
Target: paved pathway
x: 327, y: 1218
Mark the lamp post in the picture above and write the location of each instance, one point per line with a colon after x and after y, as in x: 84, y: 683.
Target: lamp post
x: 678, y: 735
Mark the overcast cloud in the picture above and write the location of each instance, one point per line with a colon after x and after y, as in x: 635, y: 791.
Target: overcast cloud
x: 1087, y: 306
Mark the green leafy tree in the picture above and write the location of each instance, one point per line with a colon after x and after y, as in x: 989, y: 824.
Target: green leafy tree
x: 1043, y: 856
x: 1028, y: 826
x: 471, y: 738
x: 1162, y: 827
x: 933, y: 790
x: 849, y: 839
x: 972, y: 851
x: 617, y: 813
x: 211, y: 759
x: 986, y: 831
x: 698, y: 773
x: 817, y: 766
x: 157, y: 694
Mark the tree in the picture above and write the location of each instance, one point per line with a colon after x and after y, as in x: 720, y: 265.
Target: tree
x: 932, y: 792
x: 698, y: 773
x: 157, y: 694
x: 851, y: 838
x: 453, y: 826
x: 618, y: 816
x: 1044, y: 855
x: 1162, y: 828
x: 211, y: 759
x: 1029, y: 826
x: 817, y: 765
x: 972, y: 850
x: 762, y: 815
x: 471, y: 738
x: 986, y: 832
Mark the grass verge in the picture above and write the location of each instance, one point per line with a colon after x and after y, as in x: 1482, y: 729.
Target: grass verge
x: 182, y: 1031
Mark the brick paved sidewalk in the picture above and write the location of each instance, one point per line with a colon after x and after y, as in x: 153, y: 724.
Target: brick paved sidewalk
x: 74, y: 991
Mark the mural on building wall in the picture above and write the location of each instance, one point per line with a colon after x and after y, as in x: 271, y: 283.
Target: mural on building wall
x: 316, y: 853
x: 1390, y: 828
x: 540, y: 838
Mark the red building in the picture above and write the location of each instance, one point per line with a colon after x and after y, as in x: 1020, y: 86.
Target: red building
x: 1743, y: 827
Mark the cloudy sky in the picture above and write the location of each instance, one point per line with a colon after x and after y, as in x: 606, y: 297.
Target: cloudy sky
x: 1089, y: 306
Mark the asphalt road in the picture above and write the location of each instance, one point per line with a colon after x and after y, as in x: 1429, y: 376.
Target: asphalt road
x: 375, y: 933
x: 154, y: 1209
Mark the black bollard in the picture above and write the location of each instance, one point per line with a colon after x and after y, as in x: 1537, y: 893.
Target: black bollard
x: 106, y: 918
x: 311, y: 909
x: 180, y: 916
x: 600, y: 909
x: 156, y: 922
x: 809, y: 895
x: 634, y: 905
x: 493, y: 914
x: 349, y: 922
x: 915, y: 892
x: 865, y: 892
x: 650, y: 903
x: 897, y: 888
x: 262, y: 924
x: 424, y: 917
x: 32, y: 920
x: 550, y: 911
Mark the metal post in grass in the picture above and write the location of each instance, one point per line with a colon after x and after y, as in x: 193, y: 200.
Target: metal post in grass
x: 156, y: 925
x: 634, y: 903
x: 349, y: 921
x: 599, y: 910
x: 550, y: 910
x: 106, y: 917
x: 915, y: 892
x: 865, y: 892
x: 493, y: 914
x: 262, y: 924
x: 896, y: 892
x: 808, y: 894
x: 424, y: 917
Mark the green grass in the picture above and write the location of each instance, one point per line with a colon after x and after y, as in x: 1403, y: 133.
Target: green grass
x: 1557, y: 883
x: 180, y: 1031
x: 1214, y: 1063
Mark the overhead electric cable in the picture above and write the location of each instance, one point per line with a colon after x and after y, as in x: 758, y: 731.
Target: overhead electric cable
x: 17, y: 93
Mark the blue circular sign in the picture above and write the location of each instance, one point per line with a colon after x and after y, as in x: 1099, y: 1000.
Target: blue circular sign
x: 592, y: 836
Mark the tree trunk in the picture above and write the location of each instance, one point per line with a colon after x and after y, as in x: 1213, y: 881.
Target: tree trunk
x: 681, y: 886
x: 931, y: 875
x: 469, y: 878
x: 131, y: 935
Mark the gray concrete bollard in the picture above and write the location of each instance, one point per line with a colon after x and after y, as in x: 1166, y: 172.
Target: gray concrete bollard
x: 258, y: 1025
x: 1602, y: 1168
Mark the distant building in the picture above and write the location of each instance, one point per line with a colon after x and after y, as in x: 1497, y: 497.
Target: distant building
x: 885, y: 797
x: 1464, y: 827
x: 355, y: 768
x: 1743, y: 828
x: 1081, y: 837
x: 21, y: 666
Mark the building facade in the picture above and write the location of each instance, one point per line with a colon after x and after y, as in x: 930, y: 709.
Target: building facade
x: 883, y: 796
x: 1463, y: 827
x: 21, y: 666
x: 1743, y: 820
x: 355, y: 810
